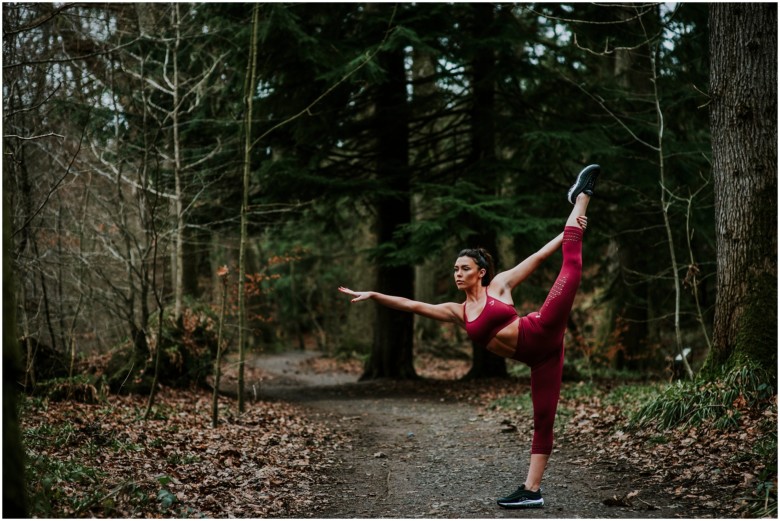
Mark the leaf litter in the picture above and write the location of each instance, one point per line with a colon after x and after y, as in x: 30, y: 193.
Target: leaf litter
x: 262, y: 463
x: 272, y: 460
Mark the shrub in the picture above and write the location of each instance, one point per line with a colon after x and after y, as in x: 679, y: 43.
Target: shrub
x: 189, y: 350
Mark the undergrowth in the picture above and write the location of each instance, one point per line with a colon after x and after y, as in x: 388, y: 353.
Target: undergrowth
x: 740, y: 402
x: 721, y: 403
x: 689, y: 404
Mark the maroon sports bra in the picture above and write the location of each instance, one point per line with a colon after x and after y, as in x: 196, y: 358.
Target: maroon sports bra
x: 494, y: 317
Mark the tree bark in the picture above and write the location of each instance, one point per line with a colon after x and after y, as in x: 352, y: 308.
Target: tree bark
x: 178, y: 279
x: 249, y: 96
x: 14, y: 490
x: 743, y: 108
x: 483, y: 157
x: 425, y: 92
x: 392, y: 350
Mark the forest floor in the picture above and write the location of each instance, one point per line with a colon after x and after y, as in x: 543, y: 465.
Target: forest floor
x: 437, y: 449
x: 314, y: 442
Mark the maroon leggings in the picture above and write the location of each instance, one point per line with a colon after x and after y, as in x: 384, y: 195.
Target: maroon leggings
x: 540, y: 341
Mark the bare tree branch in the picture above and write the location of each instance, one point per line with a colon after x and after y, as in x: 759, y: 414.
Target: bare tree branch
x: 32, y: 138
x: 71, y: 59
x: 41, y: 19
x: 56, y: 185
x: 647, y: 8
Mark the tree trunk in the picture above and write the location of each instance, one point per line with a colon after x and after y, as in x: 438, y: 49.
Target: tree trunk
x: 630, y: 307
x: 425, y: 91
x: 218, y: 362
x: 249, y: 96
x: 178, y: 280
x: 14, y: 490
x: 483, y: 158
x: 743, y: 109
x: 392, y: 350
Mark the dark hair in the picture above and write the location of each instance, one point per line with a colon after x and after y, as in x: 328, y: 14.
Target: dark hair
x: 484, y: 261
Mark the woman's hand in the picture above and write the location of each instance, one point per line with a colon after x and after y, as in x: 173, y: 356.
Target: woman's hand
x: 582, y: 220
x: 359, y: 295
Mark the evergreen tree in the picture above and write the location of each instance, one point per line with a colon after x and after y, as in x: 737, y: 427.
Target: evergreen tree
x: 494, y: 108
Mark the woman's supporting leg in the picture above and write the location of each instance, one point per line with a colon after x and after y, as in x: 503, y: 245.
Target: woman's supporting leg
x: 536, y: 471
x: 545, y: 391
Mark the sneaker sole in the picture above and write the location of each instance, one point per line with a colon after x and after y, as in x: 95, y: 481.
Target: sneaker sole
x: 531, y: 503
x: 582, y: 181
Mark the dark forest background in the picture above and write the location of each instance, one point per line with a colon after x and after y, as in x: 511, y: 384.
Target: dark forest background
x: 154, y: 155
x: 384, y: 138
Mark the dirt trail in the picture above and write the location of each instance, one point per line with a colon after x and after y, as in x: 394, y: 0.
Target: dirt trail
x: 417, y: 452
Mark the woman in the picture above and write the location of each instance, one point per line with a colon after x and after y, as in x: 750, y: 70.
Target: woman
x: 491, y: 321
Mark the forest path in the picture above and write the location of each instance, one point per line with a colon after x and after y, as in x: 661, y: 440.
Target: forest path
x: 417, y: 451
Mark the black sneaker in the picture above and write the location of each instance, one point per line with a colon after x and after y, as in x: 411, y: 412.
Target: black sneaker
x: 522, y: 498
x: 585, y: 183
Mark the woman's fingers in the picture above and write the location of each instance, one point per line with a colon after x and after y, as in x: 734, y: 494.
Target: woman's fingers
x: 358, y: 296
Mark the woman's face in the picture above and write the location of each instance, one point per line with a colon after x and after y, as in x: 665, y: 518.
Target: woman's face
x: 467, y: 273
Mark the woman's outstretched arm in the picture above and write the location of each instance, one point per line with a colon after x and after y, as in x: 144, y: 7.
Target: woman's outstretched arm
x: 448, y: 312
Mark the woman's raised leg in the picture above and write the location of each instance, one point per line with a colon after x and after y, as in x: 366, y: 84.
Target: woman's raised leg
x: 554, y: 313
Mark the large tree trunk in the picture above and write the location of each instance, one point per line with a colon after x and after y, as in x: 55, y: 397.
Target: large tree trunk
x: 631, y: 303
x: 425, y: 92
x: 392, y: 350
x: 743, y: 109
x: 483, y: 158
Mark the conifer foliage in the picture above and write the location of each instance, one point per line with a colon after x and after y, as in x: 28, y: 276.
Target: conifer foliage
x: 384, y: 138
x: 151, y: 148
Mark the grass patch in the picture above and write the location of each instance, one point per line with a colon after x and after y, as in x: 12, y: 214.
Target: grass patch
x: 518, y: 402
x: 631, y: 397
x: 62, y: 472
x: 518, y: 370
x: 580, y: 390
x: 177, y: 458
x: 46, y: 434
x: 50, y: 481
x: 659, y: 439
x: 722, y: 400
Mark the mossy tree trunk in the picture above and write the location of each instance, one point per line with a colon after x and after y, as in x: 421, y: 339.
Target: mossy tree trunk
x: 743, y: 109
